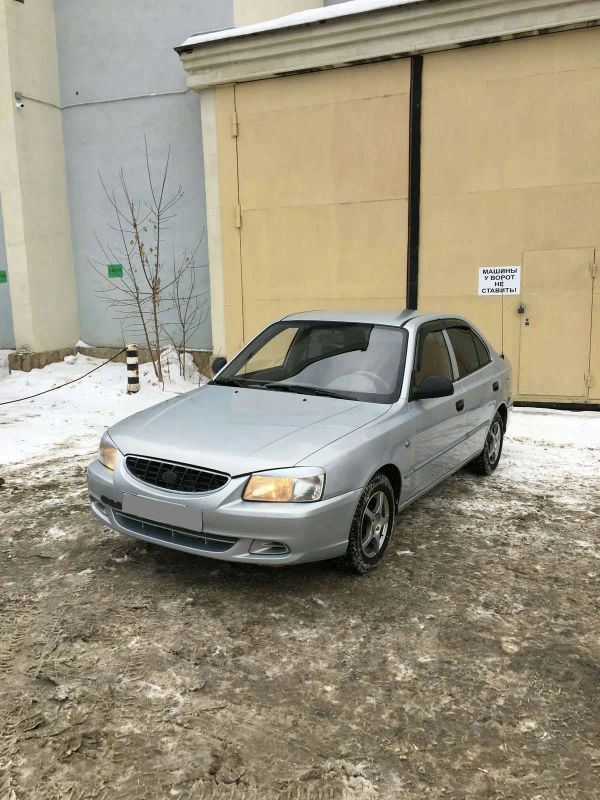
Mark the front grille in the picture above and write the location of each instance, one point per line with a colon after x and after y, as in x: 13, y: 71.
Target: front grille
x: 163, y: 534
x: 176, y: 477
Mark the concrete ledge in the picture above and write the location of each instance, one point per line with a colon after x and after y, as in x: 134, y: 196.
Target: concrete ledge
x: 375, y: 35
x: 25, y: 362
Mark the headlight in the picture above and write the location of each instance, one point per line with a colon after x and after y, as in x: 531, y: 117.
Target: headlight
x: 107, y: 452
x: 300, y: 485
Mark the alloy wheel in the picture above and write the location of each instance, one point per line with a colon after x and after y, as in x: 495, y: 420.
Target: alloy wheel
x: 494, y: 442
x: 375, y: 524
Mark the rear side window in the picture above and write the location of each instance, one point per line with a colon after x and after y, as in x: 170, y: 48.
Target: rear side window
x: 469, y: 350
x: 482, y: 351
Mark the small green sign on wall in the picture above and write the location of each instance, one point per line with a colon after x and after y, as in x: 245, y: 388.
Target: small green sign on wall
x: 115, y: 270
x: 3, y: 276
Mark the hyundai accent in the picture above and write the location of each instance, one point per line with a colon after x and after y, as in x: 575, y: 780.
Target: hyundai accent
x: 310, y: 442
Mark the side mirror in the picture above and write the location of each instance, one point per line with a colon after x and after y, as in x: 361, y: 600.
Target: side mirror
x: 432, y: 386
x: 218, y: 364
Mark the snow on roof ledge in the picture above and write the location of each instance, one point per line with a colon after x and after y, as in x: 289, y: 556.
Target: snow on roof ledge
x: 300, y: 18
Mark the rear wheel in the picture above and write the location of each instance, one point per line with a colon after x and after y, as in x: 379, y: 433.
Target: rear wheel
x: 487, y: 461
x: 371, y: 526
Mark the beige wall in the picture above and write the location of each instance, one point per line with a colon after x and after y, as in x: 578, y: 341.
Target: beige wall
x: 323, y: 214
x: 33, y: 181
x: 246, y: 12
x: 511, y: 169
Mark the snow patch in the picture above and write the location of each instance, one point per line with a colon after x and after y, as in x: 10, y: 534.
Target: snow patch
x: 55, y: 534
x: 71, y: 420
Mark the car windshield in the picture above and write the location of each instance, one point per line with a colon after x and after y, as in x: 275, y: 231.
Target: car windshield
x: 354, y: 361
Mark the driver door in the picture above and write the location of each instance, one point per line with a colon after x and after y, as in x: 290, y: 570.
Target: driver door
x: 440, y: 424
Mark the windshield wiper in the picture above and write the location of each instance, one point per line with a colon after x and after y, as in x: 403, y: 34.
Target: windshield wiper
x: 299, y: 388
x: 236, y: 383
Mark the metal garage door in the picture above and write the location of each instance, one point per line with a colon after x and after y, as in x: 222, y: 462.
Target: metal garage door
x: 322, y: 170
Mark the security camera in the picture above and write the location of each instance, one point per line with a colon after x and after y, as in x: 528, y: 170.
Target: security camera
x: 20, y: 106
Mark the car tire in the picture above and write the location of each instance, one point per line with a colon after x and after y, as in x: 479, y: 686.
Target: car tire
x: 371, y: 526
x: 489, y: 458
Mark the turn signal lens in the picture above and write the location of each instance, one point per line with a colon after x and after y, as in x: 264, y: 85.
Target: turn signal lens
x: 303, y: 487
x: 307, y: 490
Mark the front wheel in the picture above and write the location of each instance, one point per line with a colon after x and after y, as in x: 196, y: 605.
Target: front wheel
x: 371, y: 526
x: 487, y: 461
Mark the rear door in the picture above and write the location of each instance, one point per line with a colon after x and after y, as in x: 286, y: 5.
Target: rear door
x: 476, y: 373
x: 440, y: 423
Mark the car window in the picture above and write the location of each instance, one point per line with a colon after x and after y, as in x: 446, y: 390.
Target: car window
x: 432, y: 357
x: 273, y: 354
x: 465, y: 350
x: 482, y: 351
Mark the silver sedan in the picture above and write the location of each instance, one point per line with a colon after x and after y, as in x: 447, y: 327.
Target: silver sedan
x: 310, y: 442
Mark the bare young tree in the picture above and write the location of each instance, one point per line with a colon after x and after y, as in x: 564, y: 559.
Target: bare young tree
x: 152, y: 299
x: 189, y: 306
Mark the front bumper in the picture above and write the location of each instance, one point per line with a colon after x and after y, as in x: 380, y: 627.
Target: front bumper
x: 230, y: 525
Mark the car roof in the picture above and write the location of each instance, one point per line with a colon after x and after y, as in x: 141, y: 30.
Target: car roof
x: 374, y: 316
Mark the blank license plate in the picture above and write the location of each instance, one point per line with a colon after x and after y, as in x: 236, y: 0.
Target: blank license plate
x: 175, y: 515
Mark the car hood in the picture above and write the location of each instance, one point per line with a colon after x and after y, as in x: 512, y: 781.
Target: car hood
x: 240, y: 430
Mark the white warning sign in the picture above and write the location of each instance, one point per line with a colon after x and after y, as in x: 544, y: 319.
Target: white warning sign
x: 499, y: 280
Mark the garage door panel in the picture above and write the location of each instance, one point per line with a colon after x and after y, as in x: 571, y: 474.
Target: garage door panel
x: 512, y: 113
x: 495, y: 227
x: 324, y: 154
x: 540, y: 142
x: 331, y: 86
x: 345, y: 256
x: 323, y: 184
x: 569, y: 51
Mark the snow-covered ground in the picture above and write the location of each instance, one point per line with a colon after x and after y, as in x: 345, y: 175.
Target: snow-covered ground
x: 72, y: 419
x: 546, y: 441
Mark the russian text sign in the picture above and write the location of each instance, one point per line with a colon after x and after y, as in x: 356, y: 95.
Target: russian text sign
x: 499, y: 280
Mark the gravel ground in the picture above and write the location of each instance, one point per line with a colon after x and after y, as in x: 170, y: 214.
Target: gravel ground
x: 467, y: 666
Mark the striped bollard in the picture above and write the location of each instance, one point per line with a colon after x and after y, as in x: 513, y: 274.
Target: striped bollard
x: 133, y: 369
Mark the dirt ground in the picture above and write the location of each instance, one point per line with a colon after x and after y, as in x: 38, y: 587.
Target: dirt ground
x: 467, y: 666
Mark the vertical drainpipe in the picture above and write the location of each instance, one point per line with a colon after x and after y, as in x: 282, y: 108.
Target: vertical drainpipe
x: 414, y: 181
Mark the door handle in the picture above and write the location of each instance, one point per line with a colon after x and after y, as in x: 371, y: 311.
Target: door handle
x: 495, y: 386
x: 460, y: 404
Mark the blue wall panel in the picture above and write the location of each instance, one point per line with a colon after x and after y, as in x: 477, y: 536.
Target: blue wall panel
x: 110, y: 50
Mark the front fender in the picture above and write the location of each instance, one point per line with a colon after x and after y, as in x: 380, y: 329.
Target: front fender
x: 352, y: 460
